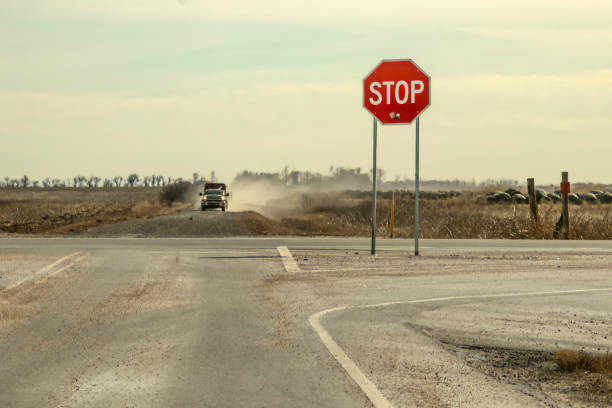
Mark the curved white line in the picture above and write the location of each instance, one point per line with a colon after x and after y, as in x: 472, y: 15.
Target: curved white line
x: 367, y: 386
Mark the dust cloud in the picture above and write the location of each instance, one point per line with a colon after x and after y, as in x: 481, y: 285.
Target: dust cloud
x: 197, y: 201
x: 275, y: 200
x: 267, y: 198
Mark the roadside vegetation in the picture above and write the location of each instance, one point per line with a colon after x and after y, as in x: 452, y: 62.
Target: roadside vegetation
x: 591, y: 375
x: 444, y: 215
x: 581, y: 361
x: 175, y: 192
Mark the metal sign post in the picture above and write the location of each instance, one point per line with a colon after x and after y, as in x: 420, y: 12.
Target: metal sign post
x: 373, y: 251
x: 396, y: 92
x: 416, y: 192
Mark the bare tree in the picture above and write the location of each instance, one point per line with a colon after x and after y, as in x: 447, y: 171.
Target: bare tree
x: 285, y: 175
x: 294, y: 177
x: 107, y: 183
x: 82, y: 181
x: 133, y: 179
x: 46, y: 182
x: 161, y: 181
x: 196, y: 176
x: 25, y: 181
x: 7, y: 181
x: 118, y: 180
x: 380, y: 175
x: 146, y: 181
x: 35, y: 184
x: 93, y: 181
x: 173, y: 192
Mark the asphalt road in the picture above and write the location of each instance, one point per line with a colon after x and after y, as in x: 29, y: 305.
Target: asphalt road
x: 129, y: 322
x: 155, y: 325
x: 329, y: 243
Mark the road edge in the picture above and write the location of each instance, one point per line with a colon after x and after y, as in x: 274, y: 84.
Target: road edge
x: 367, y: 386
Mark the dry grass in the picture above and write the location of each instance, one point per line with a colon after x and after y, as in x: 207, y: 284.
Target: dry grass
x: 61, y: 211
x: 464, y: 216
x: 73, y: 210
x: 580, y: 361
x: 590, y: 376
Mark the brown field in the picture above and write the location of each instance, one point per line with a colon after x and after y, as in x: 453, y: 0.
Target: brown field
x: 467, y: 215
x: 59, y: 211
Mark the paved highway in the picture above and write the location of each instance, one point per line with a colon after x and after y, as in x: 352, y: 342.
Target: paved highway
x: 221, y: 323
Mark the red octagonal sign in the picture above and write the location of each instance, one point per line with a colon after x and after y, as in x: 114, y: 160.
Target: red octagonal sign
x: 396, y: 91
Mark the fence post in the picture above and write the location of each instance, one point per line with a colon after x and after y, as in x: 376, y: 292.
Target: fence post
x: 565, y: 190
x: 392, y: 214
x: 533, y: 204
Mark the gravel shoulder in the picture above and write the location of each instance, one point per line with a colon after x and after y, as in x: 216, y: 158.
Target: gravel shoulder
x: 192, y: 223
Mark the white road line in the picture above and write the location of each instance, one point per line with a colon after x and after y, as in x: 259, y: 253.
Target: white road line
x: 290, y: 265
x: 43, y: 270
x: 367, y: 386
x: 63, y: 268
x: 351, y: 368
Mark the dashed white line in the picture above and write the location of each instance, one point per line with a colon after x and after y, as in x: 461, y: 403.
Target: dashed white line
x: 63, y: 268
x: 290, y: 265
x: 367, y: 386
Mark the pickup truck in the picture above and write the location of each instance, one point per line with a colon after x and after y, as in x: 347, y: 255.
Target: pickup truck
x: 215, y: 195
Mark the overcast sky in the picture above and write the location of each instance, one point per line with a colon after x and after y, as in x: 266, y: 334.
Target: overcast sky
x: 520, y: 88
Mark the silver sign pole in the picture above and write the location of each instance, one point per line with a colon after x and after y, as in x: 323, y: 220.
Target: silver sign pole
x: 416, y: 193
x: 373, y: 251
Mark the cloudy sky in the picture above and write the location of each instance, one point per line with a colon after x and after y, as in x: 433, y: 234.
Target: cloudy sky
x: 520, y: 88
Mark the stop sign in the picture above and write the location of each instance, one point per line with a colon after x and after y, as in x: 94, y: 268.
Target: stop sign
x: 396, y: 91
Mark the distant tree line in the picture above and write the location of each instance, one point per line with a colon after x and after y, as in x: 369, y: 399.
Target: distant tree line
x: 131, y: 180
x: 337, y: 178
x: 350, y: 177
x: 356, y: 179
